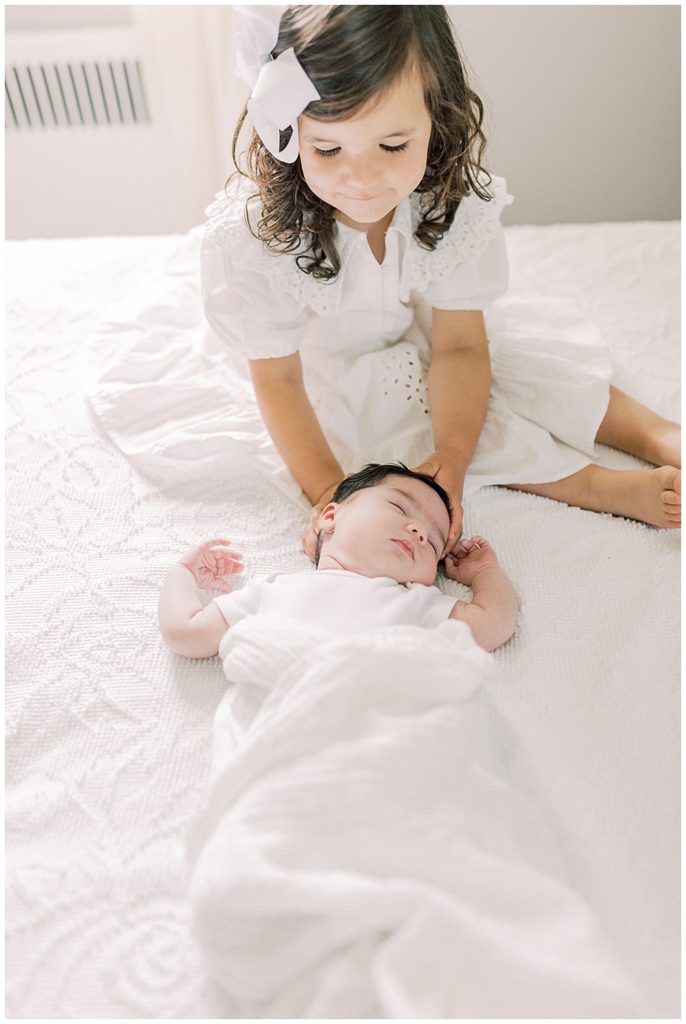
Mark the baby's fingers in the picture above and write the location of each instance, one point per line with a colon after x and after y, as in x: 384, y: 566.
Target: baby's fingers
x: 469, y: 544
x: 226, y: 551
x: 226, y: 560
x: 227, y: 555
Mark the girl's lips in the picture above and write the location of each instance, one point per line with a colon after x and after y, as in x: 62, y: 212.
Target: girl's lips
x: 406, y: 546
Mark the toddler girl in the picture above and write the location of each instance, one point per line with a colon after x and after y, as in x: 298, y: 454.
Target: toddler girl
x: 352, y: 263
x: 376, y: 225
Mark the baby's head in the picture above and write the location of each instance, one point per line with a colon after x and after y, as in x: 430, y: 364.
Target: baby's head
x: 386, y: 520
x: 359, y: 58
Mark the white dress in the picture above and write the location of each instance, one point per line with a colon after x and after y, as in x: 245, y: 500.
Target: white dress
x: 177, y: 399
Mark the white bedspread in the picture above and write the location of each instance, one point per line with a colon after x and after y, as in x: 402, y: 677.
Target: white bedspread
x: 366, y: 851
x: 108, y: 733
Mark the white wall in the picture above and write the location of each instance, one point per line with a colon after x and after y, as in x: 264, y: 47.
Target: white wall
x: 583, y: 113
x: 582, y: 117
x: 22, y: 17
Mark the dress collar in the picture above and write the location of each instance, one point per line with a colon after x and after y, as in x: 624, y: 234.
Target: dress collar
x: 402, y: 219
x: 401, y: 222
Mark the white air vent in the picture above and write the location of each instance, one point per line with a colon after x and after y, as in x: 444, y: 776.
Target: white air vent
x: 75, y: 93
x: 109, y: 131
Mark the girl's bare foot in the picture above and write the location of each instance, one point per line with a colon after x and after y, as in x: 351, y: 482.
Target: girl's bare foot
x: 650, y: 495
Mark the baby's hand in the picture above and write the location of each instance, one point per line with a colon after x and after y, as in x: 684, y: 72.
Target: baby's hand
x: 211, y: 561
x: 470, y: 556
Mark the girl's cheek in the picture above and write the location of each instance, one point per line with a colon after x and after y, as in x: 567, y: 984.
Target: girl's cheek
x: 314, y: 171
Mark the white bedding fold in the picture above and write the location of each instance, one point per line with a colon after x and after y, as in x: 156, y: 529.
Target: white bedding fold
x: 367, y: 851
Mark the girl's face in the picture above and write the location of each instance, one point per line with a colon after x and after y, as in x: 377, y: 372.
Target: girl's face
x: 366, y: 165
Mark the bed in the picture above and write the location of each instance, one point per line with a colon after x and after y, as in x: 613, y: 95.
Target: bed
x: 108, y: 733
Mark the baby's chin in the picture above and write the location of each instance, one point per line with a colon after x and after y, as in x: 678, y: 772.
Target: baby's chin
x: 381, y: 567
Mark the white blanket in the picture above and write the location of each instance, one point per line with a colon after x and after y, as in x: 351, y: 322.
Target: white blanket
x: 366, y: 851
x: 108, y: 750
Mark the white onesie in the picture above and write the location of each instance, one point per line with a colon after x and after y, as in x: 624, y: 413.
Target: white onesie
x: 333, y: 599
x: 337, y: 599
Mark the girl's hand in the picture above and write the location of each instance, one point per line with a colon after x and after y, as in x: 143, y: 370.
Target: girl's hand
x: 444, y: 471
x: 470, y: 557
x: 211, y: 561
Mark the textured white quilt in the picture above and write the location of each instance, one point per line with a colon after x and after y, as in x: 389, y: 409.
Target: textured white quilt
x: 367, y: 851
x: 108, y: 733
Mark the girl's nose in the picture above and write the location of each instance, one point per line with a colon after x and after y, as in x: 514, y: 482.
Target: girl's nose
x: 362, y: 172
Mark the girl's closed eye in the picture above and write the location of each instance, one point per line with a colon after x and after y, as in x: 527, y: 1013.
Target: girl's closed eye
x: 336, y: 149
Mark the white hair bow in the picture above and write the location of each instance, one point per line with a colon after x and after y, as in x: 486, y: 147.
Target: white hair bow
x: 280, y: 88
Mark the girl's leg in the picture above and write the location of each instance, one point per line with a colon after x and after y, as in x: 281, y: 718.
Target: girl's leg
x: 633, y: 428
x: 649, y: 495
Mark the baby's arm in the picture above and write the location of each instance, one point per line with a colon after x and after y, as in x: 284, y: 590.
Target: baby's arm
x: 492, y: 614
x: 188, y: 627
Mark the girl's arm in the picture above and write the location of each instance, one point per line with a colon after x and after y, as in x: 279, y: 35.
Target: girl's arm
x: 492, y: 613
x: 459, y: 388
x: 293, y: 425
x: 187, y: 626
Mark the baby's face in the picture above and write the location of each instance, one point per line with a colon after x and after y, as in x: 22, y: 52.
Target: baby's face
x: 398, y: 529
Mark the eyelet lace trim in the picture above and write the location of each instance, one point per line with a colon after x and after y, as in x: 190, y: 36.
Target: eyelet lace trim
x: 404, y: 375
x: 474, y: 225
x: 227, y: 228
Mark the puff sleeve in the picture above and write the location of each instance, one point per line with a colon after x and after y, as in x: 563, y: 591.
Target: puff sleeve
x: 241, y: 297
x: 469, y: 267
x: 475, y: 283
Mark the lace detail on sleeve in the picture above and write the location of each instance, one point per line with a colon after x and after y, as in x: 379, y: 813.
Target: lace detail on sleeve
x: 475, y: 224
x: 226, y: 227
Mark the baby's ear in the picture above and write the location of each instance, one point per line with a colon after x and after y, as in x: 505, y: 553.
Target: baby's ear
x: 327, y: 519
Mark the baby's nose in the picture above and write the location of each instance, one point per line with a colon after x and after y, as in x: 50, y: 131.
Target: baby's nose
x: 418, y: 532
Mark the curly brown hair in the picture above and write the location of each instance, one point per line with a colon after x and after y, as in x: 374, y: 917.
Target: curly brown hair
x: 352, y: 54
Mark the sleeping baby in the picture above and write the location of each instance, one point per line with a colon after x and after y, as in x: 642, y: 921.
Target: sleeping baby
x: 364, y: 848
x: 381, y: 538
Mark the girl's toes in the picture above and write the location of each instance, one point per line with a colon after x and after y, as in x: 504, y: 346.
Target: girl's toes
x: 670, y: 478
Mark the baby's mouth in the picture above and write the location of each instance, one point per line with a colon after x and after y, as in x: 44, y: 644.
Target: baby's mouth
x: 407, y: 547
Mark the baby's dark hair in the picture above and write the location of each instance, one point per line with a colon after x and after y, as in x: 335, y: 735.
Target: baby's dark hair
x: 372, y: 475
x: 353, y: 53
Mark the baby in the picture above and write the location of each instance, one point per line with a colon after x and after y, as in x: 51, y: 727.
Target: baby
x: 381, y: 538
